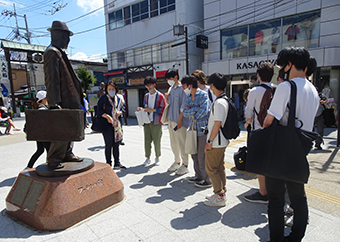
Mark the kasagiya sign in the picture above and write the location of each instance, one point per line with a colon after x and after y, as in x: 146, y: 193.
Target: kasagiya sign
x: 252, y: 64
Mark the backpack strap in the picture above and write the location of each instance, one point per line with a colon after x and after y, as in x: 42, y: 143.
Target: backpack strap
x: 212, y: 108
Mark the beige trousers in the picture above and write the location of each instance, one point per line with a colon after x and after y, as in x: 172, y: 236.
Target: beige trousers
x: 214, y: 165
x: 177, y: 142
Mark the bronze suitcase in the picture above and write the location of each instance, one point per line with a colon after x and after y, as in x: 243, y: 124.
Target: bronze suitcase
x: 55, y: 125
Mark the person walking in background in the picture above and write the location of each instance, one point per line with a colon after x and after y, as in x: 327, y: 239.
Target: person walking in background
x: 265, y: 73
x: 107, y: 108
x: 85, y: 108
x: 154, y: 104
x: 202, y: 84
x: 217, y: 143
x: 293, y: 62
x: 177, y: 123
x: 41, y: 145
x: 6, y: 119
x: 197, y: 107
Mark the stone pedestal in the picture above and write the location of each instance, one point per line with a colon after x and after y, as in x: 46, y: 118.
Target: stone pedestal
x: 56, y: 203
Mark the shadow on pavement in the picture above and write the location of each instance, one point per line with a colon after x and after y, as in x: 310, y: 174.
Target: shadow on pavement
x: 133, y: 170
x: 8, y: 182
x: 96, y: 148
x: 156, y: 180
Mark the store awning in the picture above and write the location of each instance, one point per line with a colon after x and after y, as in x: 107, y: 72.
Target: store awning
x: 112, y: 73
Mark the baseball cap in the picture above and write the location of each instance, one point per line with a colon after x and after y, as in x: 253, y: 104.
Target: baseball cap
x: 41, y: 95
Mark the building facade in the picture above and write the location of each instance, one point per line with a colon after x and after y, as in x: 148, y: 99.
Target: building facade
x: 243, y: 34
x: 139, y: 36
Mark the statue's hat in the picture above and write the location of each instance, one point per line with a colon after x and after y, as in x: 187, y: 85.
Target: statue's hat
x: 61, y: 25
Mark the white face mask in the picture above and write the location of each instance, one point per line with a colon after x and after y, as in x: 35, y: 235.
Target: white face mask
x: 112, y: 93
x: 187, y: 91
x: 152, y: 89
x: 171, y: 82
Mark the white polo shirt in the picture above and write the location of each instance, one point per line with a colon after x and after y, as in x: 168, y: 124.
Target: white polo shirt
x: 307, y: 102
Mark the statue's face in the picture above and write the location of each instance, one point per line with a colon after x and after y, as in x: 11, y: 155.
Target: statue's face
x: 65, y: 39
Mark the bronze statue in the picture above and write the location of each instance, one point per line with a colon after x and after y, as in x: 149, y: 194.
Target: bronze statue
x: 63, y: 89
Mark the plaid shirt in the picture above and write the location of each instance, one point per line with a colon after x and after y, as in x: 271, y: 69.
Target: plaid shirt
x: 198, y: 109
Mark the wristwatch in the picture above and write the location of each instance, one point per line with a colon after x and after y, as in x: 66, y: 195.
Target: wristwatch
x: 209, y: 141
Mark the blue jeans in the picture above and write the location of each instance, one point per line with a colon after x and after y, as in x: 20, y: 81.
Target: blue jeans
x: 298, y: 201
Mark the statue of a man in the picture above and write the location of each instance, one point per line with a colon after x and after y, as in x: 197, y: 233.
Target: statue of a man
x: 63, y: 89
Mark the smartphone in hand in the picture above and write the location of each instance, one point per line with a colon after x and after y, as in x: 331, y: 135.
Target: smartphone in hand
x: 175, y: 129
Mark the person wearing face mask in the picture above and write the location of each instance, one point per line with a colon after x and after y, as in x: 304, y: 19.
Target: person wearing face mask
x: 154, y: 104
x: 216, y: 142
x: 294, y: 62
x: 40, y: 104
x: 197, y: 107
x: 201, y: 82
x: 177, y: 124
x: 107, y: 108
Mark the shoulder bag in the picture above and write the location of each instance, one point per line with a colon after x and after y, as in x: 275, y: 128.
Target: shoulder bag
x: 191, y: 139
x: 280, y: 151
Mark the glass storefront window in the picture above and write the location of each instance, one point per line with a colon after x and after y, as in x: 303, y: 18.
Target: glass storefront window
x: 302, y: 30
x: 264, y: 38
x: 234, y: 43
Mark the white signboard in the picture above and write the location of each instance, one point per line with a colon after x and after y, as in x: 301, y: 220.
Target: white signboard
x: 4, y: 70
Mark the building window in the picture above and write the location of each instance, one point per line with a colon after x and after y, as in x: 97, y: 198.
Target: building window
x: 167, y: 6
x: 129, y: 58
x: 156, y: 53
x: 138, y: 56
x: 154, y: 8
x: 118, y: 60
x: 264, y: 38
x: 270, y: 36
x: 127, y: 15
x: 234, y: 43
x: 140, y: 11
x: 116, y: 19
x: 146, y: 52
x: 301, y: 30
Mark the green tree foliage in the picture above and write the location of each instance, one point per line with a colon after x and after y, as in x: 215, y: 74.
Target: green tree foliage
x: 87, y: 78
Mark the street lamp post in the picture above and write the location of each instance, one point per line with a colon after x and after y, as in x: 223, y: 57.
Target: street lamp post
x: 181, y: 30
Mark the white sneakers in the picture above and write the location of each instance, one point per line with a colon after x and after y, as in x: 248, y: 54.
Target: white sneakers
x: 216, y: 201
x: 182, y: 170
x: 174, y: 167
x: 147, y: 162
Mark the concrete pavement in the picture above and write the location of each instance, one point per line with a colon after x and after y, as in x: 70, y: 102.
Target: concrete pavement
x: 161, y: 206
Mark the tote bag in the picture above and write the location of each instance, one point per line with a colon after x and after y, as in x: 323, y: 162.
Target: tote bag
x: 142, y: 117
x: 164, y: 118
x: 99, y: 124
x: 280, y: 151
x: 191, y: 139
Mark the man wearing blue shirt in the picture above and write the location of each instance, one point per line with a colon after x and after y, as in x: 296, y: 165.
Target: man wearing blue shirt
x: 177, y: 123
x: 197, y: 106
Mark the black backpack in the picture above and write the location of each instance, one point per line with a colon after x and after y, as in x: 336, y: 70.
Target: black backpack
x: 231, y: 128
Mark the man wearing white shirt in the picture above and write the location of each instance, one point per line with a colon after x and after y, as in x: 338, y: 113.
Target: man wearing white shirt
x: 265, y: 73
x: 294, y: 63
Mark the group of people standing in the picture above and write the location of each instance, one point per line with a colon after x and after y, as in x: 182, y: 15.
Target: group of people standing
x: 189, y: 103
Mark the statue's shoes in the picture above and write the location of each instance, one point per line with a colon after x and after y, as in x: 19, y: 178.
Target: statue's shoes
x: 59, y: 166
x: 73, y: 159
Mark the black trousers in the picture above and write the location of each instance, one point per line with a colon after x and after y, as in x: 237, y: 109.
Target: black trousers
x: 298, y: 201
x: 320, y: 126
x: 40, y: 150
x: 111, y: 146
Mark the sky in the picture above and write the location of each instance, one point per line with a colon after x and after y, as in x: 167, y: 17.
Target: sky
x: 84, y: 44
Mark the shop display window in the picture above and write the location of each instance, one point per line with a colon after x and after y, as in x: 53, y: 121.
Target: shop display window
x: 302, y: 30
x: 234, y: 43
x: 264, y: 38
